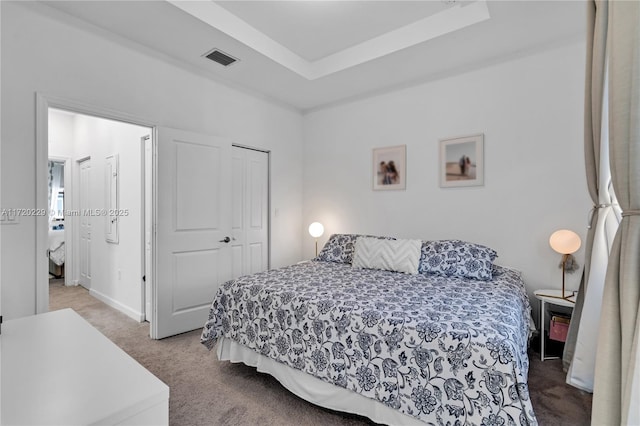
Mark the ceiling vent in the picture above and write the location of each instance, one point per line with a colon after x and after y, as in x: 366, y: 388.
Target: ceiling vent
x: 217, y: 55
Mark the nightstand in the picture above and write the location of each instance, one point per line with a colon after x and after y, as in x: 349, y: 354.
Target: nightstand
x: 545, y: 297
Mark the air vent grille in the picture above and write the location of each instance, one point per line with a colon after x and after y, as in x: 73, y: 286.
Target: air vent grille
x: 220, y: 57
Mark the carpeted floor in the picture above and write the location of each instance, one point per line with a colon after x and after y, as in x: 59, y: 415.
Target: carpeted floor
x: 204, y: 391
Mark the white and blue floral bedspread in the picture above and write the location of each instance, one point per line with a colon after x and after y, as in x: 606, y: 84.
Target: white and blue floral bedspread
x: 444, y: 350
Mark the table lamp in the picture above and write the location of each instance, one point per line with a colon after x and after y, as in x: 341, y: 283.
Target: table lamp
x: 566, y: 243
x: 316, y: 230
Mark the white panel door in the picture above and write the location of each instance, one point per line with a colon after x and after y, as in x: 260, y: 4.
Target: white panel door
x: 193, y: 228
x: 85, y: 223
x: 250, y: 243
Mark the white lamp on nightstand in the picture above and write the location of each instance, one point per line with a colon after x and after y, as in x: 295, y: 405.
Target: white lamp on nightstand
x: 316, y: 230
x: 566, y: 243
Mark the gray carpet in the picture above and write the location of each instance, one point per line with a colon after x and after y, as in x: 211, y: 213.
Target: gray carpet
x: 204, y: 391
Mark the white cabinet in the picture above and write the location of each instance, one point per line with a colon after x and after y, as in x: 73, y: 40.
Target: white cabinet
x: 59, y: 370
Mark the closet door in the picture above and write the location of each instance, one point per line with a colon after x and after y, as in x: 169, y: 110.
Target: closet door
x: 85, y: 224
x: 250, y: 218
x: 193, y: 228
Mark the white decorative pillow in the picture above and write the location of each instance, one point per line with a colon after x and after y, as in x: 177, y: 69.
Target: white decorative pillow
x: 388, y: 255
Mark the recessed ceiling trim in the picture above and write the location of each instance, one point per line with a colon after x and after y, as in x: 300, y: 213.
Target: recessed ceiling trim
x: 445, y: 22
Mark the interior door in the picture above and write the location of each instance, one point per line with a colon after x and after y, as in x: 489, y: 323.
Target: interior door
x: 85, y: 223
x: 193, y: 227
x: 250, y: 214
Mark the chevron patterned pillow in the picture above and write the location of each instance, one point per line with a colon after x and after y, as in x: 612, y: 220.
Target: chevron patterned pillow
x: 388, y: 255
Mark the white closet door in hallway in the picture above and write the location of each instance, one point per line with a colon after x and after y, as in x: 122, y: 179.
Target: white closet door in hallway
x: 85, y: 223
x: 250, y: 211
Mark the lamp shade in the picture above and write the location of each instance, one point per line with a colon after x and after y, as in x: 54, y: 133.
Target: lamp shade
x: 316, y: 229
x: 565, y: 241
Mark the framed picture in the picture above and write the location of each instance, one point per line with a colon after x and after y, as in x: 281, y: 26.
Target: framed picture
x: 462, y: 161
x: 390, y: 168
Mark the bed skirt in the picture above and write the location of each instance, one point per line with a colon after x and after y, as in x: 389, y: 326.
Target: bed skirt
x: 313, y: 389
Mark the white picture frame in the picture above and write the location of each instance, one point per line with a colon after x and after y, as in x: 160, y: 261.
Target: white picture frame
x: 456, y: 151
x: 390, y: 168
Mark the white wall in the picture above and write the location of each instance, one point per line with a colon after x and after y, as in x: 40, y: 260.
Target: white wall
x: 61, y: 142
x: 116, y: 269
x: 530, y: 111
x: 43, y: 51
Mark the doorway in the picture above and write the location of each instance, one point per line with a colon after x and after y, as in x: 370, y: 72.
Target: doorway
x: 104, y: 204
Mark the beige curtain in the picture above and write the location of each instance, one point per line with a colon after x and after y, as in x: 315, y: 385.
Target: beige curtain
x: 592, y: 128
x: 580, y: 348
x: 617, y: 364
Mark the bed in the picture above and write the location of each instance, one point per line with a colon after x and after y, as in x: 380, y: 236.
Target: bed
x: 56, y: 252
x: 437, y: 346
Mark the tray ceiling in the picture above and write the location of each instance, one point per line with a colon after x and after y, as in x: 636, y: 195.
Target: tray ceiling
x: 309, y: 54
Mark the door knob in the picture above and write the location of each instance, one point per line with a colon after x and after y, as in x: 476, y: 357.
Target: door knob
x: 226, y: 240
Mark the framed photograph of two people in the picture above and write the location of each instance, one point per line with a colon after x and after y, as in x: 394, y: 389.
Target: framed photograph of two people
x: 390, y: 168
x: 462, y: 161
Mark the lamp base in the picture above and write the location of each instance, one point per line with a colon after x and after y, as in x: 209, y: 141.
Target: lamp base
x: 563, y: 297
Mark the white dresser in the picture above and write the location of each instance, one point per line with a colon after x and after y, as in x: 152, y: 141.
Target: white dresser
x: 59, y: 370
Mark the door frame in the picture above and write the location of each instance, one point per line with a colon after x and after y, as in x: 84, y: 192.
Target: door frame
x: 44, y: 101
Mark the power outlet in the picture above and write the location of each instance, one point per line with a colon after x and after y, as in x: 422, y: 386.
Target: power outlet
x: 119, y: 274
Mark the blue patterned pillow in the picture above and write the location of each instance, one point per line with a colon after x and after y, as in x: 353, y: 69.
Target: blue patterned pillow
x: 457, y: 258
x: 340, y: 247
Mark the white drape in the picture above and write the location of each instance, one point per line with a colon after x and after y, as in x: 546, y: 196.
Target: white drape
x: 616, y: 384
x: 582, y: 369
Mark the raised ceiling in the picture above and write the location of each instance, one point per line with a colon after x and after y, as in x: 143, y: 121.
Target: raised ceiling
x: 429, y: 24
x: 309, y: 54
x: 303, y: 26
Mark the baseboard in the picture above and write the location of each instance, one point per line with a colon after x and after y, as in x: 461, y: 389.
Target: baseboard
x: 138, y: 316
